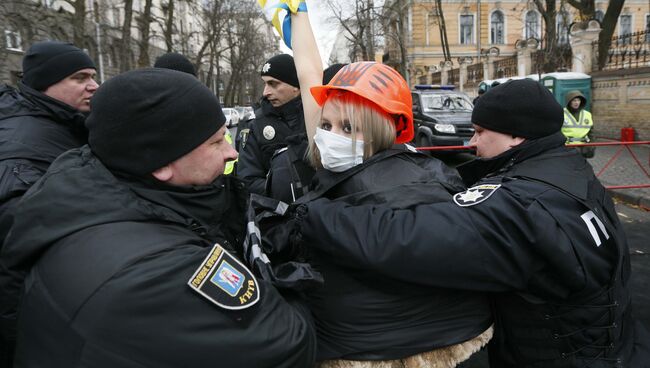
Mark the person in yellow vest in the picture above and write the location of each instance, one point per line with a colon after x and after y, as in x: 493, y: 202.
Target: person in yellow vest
x: 578, y: 122
x: 230, y: 165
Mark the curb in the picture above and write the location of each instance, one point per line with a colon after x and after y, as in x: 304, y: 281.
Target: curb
x: 630, y: 198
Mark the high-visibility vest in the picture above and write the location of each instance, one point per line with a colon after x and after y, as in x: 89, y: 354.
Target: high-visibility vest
x: 575, y: 130
x: 230, y: 165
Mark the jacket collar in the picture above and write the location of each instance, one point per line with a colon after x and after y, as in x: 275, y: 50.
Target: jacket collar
x: 290, y: 111
x: 60, y: 112
x: 205, y: 204
x: 479, y: 168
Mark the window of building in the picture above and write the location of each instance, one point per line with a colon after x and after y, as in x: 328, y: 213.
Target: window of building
x: 647, y: 28
x: 625, y: 27
x: 466, y: 29
x: 532, y: 25
x: 562, y: 29
x: 496, y: 28
x: 12, y: 40
x: 599, y: 15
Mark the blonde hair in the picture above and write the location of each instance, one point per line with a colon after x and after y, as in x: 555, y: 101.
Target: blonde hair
x: 377, y: 127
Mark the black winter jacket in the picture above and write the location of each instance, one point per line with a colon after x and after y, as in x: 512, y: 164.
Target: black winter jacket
x: 537, y: 229
x: 110, y: 260
x: 290, y: 172
x: 34, y: 130
x: 364, y: 315
x: 268, y: 133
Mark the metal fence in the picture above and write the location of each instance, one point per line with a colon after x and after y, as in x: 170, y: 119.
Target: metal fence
x: 474, y: 74
x: 453, y: 75
x: 506, y: 67
x: 626, y: 51
x: 436, y: 78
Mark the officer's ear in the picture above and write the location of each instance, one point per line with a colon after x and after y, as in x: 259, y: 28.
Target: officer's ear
x: 516, y: 141
x: 163, y: 174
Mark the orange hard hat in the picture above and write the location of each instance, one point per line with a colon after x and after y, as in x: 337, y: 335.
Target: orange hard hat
x: 379, y: 84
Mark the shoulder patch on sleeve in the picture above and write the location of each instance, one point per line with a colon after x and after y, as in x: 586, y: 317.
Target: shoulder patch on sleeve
x: 475, y: 195
x: 225, y: 281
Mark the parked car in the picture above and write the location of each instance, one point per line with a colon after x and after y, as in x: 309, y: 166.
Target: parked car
x: 442, y: 117
x: 245, y: 113
x: 232, y: 116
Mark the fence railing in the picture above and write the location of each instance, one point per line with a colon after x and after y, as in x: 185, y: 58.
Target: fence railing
x: 626, y: 51
x: 436, y: 78
x: 453, y: 75
x: 474, y: 74
x: 506, y: 67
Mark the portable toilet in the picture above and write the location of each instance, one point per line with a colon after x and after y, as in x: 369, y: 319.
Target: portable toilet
x: 561, y: 83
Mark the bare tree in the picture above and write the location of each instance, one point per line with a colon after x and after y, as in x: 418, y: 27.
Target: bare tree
x: 608, y: 25
x: 214, y: 26
x: 125, y: 42
x: 587, y: 9
x: 555, y: 54
x: 235, y: 44
x: 78, y: 22
x: 144, y: 25
x: 168, y: 28
x: 394, y: 32
x: 359, y: 26
x: 239, y: 41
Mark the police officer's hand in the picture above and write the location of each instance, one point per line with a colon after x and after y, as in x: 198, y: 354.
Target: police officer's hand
x: 281, y: 238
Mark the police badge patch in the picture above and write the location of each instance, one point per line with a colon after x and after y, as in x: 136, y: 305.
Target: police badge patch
x: 225, y: 281
x: 243, y: 137
x: 475, y: 195
x: 268, y: 132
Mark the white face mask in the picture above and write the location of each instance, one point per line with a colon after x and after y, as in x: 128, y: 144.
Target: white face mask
x: 336, y: 152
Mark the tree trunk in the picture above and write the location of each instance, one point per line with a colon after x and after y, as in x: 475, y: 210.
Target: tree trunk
x: 125, y: 43
x: 608, y: 25
x: 551, y: 54
x: 79, y: 23
x: 169, y: 27
x: 144, y: 23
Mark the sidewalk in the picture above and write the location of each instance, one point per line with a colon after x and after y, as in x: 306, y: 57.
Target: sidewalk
x: 624, y: 171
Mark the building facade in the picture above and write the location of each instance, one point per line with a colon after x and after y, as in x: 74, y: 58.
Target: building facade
x: 474, y: 27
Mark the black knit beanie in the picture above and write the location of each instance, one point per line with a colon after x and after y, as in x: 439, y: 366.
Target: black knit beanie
x: 523, y: 108
x: 145, y: 119
x: 282, y: 68
x: 175, y: 61
x: 48, y: 62
x: 331, y: 71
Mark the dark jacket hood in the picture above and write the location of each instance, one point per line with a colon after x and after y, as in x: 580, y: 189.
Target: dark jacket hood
x: 47, y: 214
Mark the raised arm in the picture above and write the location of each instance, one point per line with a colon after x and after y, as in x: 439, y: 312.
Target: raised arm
x: 308, y: 66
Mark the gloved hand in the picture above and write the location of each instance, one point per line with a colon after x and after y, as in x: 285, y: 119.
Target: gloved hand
x: 281, y: 238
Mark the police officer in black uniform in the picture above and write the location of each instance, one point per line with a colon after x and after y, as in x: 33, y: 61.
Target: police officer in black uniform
x: 536, y: 229
x: 131, y: 244
x: 280, y: 116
